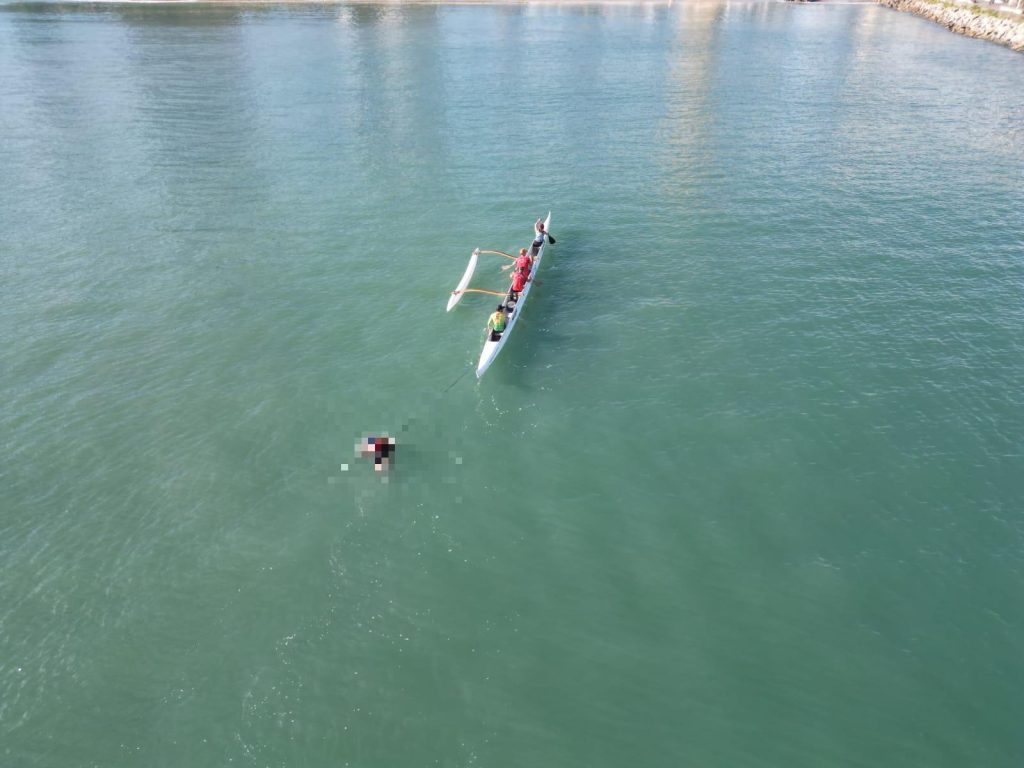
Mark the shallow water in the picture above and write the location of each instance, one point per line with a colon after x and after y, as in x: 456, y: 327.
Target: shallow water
x: 743, y: 489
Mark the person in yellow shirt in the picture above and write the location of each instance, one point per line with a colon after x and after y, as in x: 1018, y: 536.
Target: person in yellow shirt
x: 496, y: 322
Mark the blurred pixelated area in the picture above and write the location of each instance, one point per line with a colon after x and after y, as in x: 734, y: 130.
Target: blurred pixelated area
x: 381, y: 448
x: 382, y: 435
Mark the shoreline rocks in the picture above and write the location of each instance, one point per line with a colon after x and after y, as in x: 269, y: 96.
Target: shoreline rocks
x: 966, y: 20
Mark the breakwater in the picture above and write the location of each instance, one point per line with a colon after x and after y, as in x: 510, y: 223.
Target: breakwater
x: 967, y: 20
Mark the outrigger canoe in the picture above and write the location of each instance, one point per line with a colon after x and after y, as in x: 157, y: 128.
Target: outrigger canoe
x: 513, y: 305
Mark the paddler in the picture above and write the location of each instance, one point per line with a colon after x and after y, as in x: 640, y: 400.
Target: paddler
x: 519, y: 281
x: 538, y: 241
x: 496, y: 322
x: 524, y: 262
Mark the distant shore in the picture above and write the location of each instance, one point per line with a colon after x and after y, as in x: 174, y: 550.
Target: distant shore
x: 996, y: 23
x: 970, y: 20
x: 664, y: 3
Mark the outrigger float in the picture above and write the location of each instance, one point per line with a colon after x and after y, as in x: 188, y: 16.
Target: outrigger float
x: 513, y: 305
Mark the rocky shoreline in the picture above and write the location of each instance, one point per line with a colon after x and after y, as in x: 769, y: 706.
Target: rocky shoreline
x: 966, y: 20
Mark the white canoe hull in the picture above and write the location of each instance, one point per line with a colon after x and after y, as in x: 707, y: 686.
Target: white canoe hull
x: 492, y: 348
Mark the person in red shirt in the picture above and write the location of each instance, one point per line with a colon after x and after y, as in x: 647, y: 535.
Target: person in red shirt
x: 519, y: 281
x: 524, y: 262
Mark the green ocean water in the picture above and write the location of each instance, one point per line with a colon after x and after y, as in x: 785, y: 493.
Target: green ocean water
x: 744, y: 488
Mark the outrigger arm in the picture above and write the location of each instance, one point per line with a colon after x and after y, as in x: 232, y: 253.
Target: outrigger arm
x: 498, y: 253
x: 462, y: 288
x: 478, y: 290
